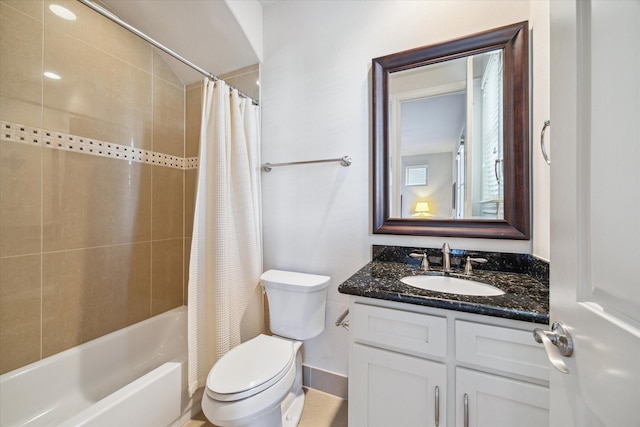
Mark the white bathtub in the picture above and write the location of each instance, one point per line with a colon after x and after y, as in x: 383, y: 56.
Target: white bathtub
x: 132, y: 377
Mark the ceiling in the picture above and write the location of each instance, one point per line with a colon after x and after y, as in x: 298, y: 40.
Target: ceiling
x: 433, y: 124
x: 205, y: 32
x: 433, y: 106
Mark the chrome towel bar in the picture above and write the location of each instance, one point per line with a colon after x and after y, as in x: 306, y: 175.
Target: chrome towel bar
x: 344, y: 161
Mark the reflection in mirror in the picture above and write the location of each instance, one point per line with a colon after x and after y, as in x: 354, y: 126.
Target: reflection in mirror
x: 447, y: 118
x: 450, y: 133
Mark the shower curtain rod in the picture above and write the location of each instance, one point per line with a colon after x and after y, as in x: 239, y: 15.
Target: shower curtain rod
x: 107, y: 14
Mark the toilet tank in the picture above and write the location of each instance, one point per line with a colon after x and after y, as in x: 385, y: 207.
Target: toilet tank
x: 297, y: 303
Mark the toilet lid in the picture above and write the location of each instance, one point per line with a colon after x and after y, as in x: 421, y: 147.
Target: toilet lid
x: 250, y: 368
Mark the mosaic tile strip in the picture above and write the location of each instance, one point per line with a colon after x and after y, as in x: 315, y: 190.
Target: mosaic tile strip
x: 13, y: 132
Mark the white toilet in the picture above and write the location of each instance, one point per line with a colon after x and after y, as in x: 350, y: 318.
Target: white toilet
x: 259, y: 382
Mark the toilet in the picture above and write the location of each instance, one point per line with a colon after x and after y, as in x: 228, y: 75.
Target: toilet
x: 259, y: 382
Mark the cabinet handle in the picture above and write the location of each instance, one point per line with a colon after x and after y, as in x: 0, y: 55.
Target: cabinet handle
x: 466, y: 410
x: 437, y: 406
x: 547, y: 123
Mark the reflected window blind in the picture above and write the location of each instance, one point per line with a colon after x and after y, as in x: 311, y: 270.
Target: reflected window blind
x: 491, y: 86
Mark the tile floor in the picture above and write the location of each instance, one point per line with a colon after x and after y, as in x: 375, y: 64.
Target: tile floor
x: 320, y: 410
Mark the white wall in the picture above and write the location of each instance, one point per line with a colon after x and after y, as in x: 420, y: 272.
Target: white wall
x: 249, y: 17
x: 315, y: 83
x: 539, y: 25
x: 438, y: 192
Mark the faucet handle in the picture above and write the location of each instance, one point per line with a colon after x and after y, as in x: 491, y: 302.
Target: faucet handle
x: 424, y: 265
x: 467, y: 267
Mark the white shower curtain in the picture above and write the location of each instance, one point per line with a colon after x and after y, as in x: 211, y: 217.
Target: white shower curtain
x: 225, y: 299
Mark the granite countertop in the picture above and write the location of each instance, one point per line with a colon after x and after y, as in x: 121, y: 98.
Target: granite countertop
x: 526, y: 297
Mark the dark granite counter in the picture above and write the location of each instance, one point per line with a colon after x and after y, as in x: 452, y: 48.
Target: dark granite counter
x: 523, y: 279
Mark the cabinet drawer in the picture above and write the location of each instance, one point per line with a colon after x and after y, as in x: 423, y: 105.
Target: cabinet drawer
x: 407, y: 332
x: 509, y: 350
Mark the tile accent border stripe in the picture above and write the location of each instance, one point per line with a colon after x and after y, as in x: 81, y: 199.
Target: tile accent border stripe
x: 14, y: 132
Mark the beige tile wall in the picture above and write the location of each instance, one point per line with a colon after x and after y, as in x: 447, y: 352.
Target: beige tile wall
x: 21, y: 64
x: 245, y: 79
x: 88, y: 244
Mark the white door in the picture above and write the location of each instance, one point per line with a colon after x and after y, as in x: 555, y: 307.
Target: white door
x: 595, y: 209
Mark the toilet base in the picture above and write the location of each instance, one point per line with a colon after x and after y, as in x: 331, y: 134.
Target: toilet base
x: 291, y: 417
x: 244, y: 413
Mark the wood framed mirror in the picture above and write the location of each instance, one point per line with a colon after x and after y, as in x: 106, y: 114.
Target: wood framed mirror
x: 489, y: 200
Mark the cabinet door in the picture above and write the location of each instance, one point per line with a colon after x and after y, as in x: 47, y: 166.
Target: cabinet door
x: 494, y: 401
x: 391, y: 389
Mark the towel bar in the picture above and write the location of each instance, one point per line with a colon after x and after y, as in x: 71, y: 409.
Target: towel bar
x: 344, y: 161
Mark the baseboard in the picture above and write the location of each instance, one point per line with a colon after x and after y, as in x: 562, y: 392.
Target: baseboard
x: 325, y: 381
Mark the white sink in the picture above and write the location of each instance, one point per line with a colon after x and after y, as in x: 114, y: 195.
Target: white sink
x: 451, y: 285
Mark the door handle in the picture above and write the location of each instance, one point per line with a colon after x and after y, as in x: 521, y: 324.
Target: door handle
x: 557, y: 343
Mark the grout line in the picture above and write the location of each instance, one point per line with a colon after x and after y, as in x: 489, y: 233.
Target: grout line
x: 41, y: 189
x: 184, y: 193
x: 94, y: 247
x: 153, y: 86
x: 27, y: 254
x: 151, y: 279
x: 41, y: 255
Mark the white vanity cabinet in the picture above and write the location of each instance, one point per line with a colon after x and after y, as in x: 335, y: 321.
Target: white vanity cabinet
x: 419, y: 366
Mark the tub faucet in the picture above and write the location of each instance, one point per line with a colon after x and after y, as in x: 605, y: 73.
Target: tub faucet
x: 446, y: 258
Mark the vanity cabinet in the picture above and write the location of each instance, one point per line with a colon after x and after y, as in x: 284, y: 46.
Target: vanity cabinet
x: 422, y: 366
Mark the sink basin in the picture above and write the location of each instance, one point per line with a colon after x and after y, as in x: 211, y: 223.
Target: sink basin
x: 451, y: 285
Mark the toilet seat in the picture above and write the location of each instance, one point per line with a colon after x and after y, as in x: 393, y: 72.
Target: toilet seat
x: 250, y: 368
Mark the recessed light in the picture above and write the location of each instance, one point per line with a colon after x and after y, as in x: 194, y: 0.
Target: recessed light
x: 51, y: 75
x: 62, y: 12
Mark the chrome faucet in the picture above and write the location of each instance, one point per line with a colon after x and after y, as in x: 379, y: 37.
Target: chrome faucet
x: 446, y: 258
x: 468, y: 269
x: 424, y: 265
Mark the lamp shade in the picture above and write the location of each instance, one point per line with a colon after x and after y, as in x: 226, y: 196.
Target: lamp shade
x: 422, y: 207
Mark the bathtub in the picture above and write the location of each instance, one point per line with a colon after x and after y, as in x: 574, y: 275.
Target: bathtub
x: 135, y: 376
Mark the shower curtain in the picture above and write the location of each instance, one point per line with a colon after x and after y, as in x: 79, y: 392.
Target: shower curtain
x: 225, y: 304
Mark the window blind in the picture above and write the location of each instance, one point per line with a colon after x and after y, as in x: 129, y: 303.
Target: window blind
x: 492, y: 138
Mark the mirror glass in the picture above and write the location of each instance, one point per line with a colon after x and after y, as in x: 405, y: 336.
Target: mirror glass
x: 450, y: 134
x: 446, y: 146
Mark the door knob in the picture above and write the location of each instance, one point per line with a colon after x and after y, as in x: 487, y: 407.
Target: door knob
x: 557, y: 343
